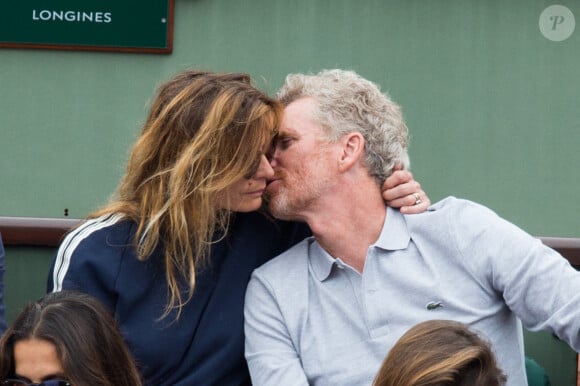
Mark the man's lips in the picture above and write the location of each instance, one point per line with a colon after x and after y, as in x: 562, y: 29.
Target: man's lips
x: 272, y: 184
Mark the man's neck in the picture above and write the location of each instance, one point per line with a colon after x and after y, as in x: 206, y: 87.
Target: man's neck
x: 347, y: 225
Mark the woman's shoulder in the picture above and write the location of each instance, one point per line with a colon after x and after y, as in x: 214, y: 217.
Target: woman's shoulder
x: 109, y: 229
x: 92, y: 254
x: 96, y: 239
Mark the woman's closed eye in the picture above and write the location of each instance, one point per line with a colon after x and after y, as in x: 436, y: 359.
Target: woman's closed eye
x: 254, y: 168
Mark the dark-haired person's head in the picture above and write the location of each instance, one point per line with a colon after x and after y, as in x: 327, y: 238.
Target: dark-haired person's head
x: 440, y: 353
x: 65, y: 338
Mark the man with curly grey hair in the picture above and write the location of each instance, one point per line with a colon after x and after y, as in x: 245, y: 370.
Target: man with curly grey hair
x: 327, y: 311
x: 347, y: 106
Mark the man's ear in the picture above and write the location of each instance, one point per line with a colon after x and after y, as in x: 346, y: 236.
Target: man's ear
x: 353, y: 145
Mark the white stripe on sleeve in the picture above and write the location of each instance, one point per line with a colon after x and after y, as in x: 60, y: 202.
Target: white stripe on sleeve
x: 72, y: 241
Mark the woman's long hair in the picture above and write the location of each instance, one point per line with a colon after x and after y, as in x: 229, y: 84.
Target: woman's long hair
x: 204, y: 132
x: 440, y: 353
x: 88, y: 343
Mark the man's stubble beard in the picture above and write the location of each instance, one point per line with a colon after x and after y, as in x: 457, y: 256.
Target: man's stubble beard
x: 288, y: 204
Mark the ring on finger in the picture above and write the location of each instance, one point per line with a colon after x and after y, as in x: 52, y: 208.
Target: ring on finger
x: 417, y: 198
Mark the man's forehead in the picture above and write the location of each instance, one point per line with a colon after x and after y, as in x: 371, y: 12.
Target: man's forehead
x: 298, y: 116
x: 301, y: 106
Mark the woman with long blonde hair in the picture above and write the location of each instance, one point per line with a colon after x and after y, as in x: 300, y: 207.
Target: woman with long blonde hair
x: 172, y: 254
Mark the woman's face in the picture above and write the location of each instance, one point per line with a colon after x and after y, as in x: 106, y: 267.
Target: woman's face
x: 36, y: 360
x: 245, y: 195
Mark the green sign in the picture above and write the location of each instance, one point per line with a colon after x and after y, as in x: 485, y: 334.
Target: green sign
x: 99, y: 25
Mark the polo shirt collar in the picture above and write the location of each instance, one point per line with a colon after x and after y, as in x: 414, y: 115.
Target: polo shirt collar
x: 394, y: 236
x: 320, y: 261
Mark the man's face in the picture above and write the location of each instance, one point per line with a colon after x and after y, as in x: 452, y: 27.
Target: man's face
x: 301, y: 159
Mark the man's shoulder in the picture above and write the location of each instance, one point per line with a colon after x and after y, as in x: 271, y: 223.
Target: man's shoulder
x: 284, y: 278
x: 452, y: 202
x: 453, y: 217
x: 455, y: 207
x: 295, y: 259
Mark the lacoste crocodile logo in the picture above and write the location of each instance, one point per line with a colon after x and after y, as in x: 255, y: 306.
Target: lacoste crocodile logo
x: 434, y: 305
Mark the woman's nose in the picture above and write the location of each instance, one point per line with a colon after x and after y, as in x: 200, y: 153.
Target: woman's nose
x: 265, y: 169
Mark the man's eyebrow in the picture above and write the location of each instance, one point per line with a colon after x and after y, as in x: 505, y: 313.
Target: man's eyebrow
x: 288, y: 132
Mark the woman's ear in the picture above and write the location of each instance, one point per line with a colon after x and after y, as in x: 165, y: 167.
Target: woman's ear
x: 353, y: 145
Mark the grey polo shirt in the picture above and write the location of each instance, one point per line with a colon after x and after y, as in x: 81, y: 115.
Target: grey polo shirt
x: 310, y: 319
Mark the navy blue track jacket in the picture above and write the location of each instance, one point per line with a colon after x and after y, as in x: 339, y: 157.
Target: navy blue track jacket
x: 205, y: 346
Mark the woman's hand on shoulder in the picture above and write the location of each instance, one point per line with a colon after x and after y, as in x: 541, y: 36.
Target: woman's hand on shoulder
x: 400, y: 190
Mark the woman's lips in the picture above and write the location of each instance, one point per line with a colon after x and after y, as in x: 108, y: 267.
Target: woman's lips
x: 256, y: 193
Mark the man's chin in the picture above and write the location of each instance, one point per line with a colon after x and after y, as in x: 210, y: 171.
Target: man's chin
x: 278, y: 209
